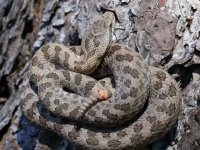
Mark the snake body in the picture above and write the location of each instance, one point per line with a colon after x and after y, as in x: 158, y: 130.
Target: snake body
x: 144, y: 106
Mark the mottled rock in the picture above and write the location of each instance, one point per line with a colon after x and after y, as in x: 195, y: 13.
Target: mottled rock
x: 191, y: 138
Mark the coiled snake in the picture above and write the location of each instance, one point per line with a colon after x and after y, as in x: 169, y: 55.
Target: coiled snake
x: 143, y: 106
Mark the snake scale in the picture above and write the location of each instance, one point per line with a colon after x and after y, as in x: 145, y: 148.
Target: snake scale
x: 143, y: 106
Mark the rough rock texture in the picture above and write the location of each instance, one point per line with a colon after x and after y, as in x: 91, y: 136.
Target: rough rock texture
x: 164, y: 32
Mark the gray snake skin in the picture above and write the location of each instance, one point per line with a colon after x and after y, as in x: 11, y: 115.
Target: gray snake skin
x: 143, y: 106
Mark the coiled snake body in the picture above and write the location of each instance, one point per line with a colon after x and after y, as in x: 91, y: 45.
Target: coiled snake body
x: 145, y: 104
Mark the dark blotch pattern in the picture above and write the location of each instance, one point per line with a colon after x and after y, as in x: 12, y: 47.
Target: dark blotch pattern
x: 36, y: 78
x: 48, y: 96
x: 87, y: 42
x: 133, y: 72
x: 57, y: 50
x: 97, y: 107
x: 43, y: 86
x: 42, y: 120
x: 124, y: 96
x: 161, y: 108
x: 126, y: 57
x: 162, y: 96
x: 92, y: 113
x: 98, y: 119
x: 106, y: 135
x: 127, y: 83
x: 73, y: 135
x: 28, y: 97
x: 78, y: 79
x: 157, y: 85
x: 56, y: 101
x: 151, y: 119
x: 75, y: 111
x: 138, y: 127
x: 103, y: 83
x: 90, y: 54
x: 34, y: 61
x: 172, y: 109
x: 91, y: 133
x: 30, y: 111
x: 133, y: 92
x: 161, y: 75
x: 66, y: 62
x: 61, y: 107
x: 109, y: 115
x: 53, y: 76
x: 44, y: 49
x: 121, y: 133
x: 96, y: 42
x: 112, y: 50
x: 40, y: 66
x: 135, y: 138
x: 58, y: 127
x: 73, y: 49
x: 66, y: 75
x: 78, y: 68
x: 74, y: 102
x: 89, y: 85
x: 122, y: 107
x: 172, y: 90
x: 154, y: 127
x: 113, y: 143
x: 92, y: 141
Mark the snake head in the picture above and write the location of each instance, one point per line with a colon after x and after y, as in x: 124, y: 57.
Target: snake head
x: 97, y: 40
x: 103, y: 26
x: 103, y: 23
x: 99, y: 36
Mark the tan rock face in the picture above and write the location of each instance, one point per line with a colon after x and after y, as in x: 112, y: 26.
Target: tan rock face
x: 156, y: 39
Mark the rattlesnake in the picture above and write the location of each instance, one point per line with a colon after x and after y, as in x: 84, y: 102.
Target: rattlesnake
x: 145, y: 104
